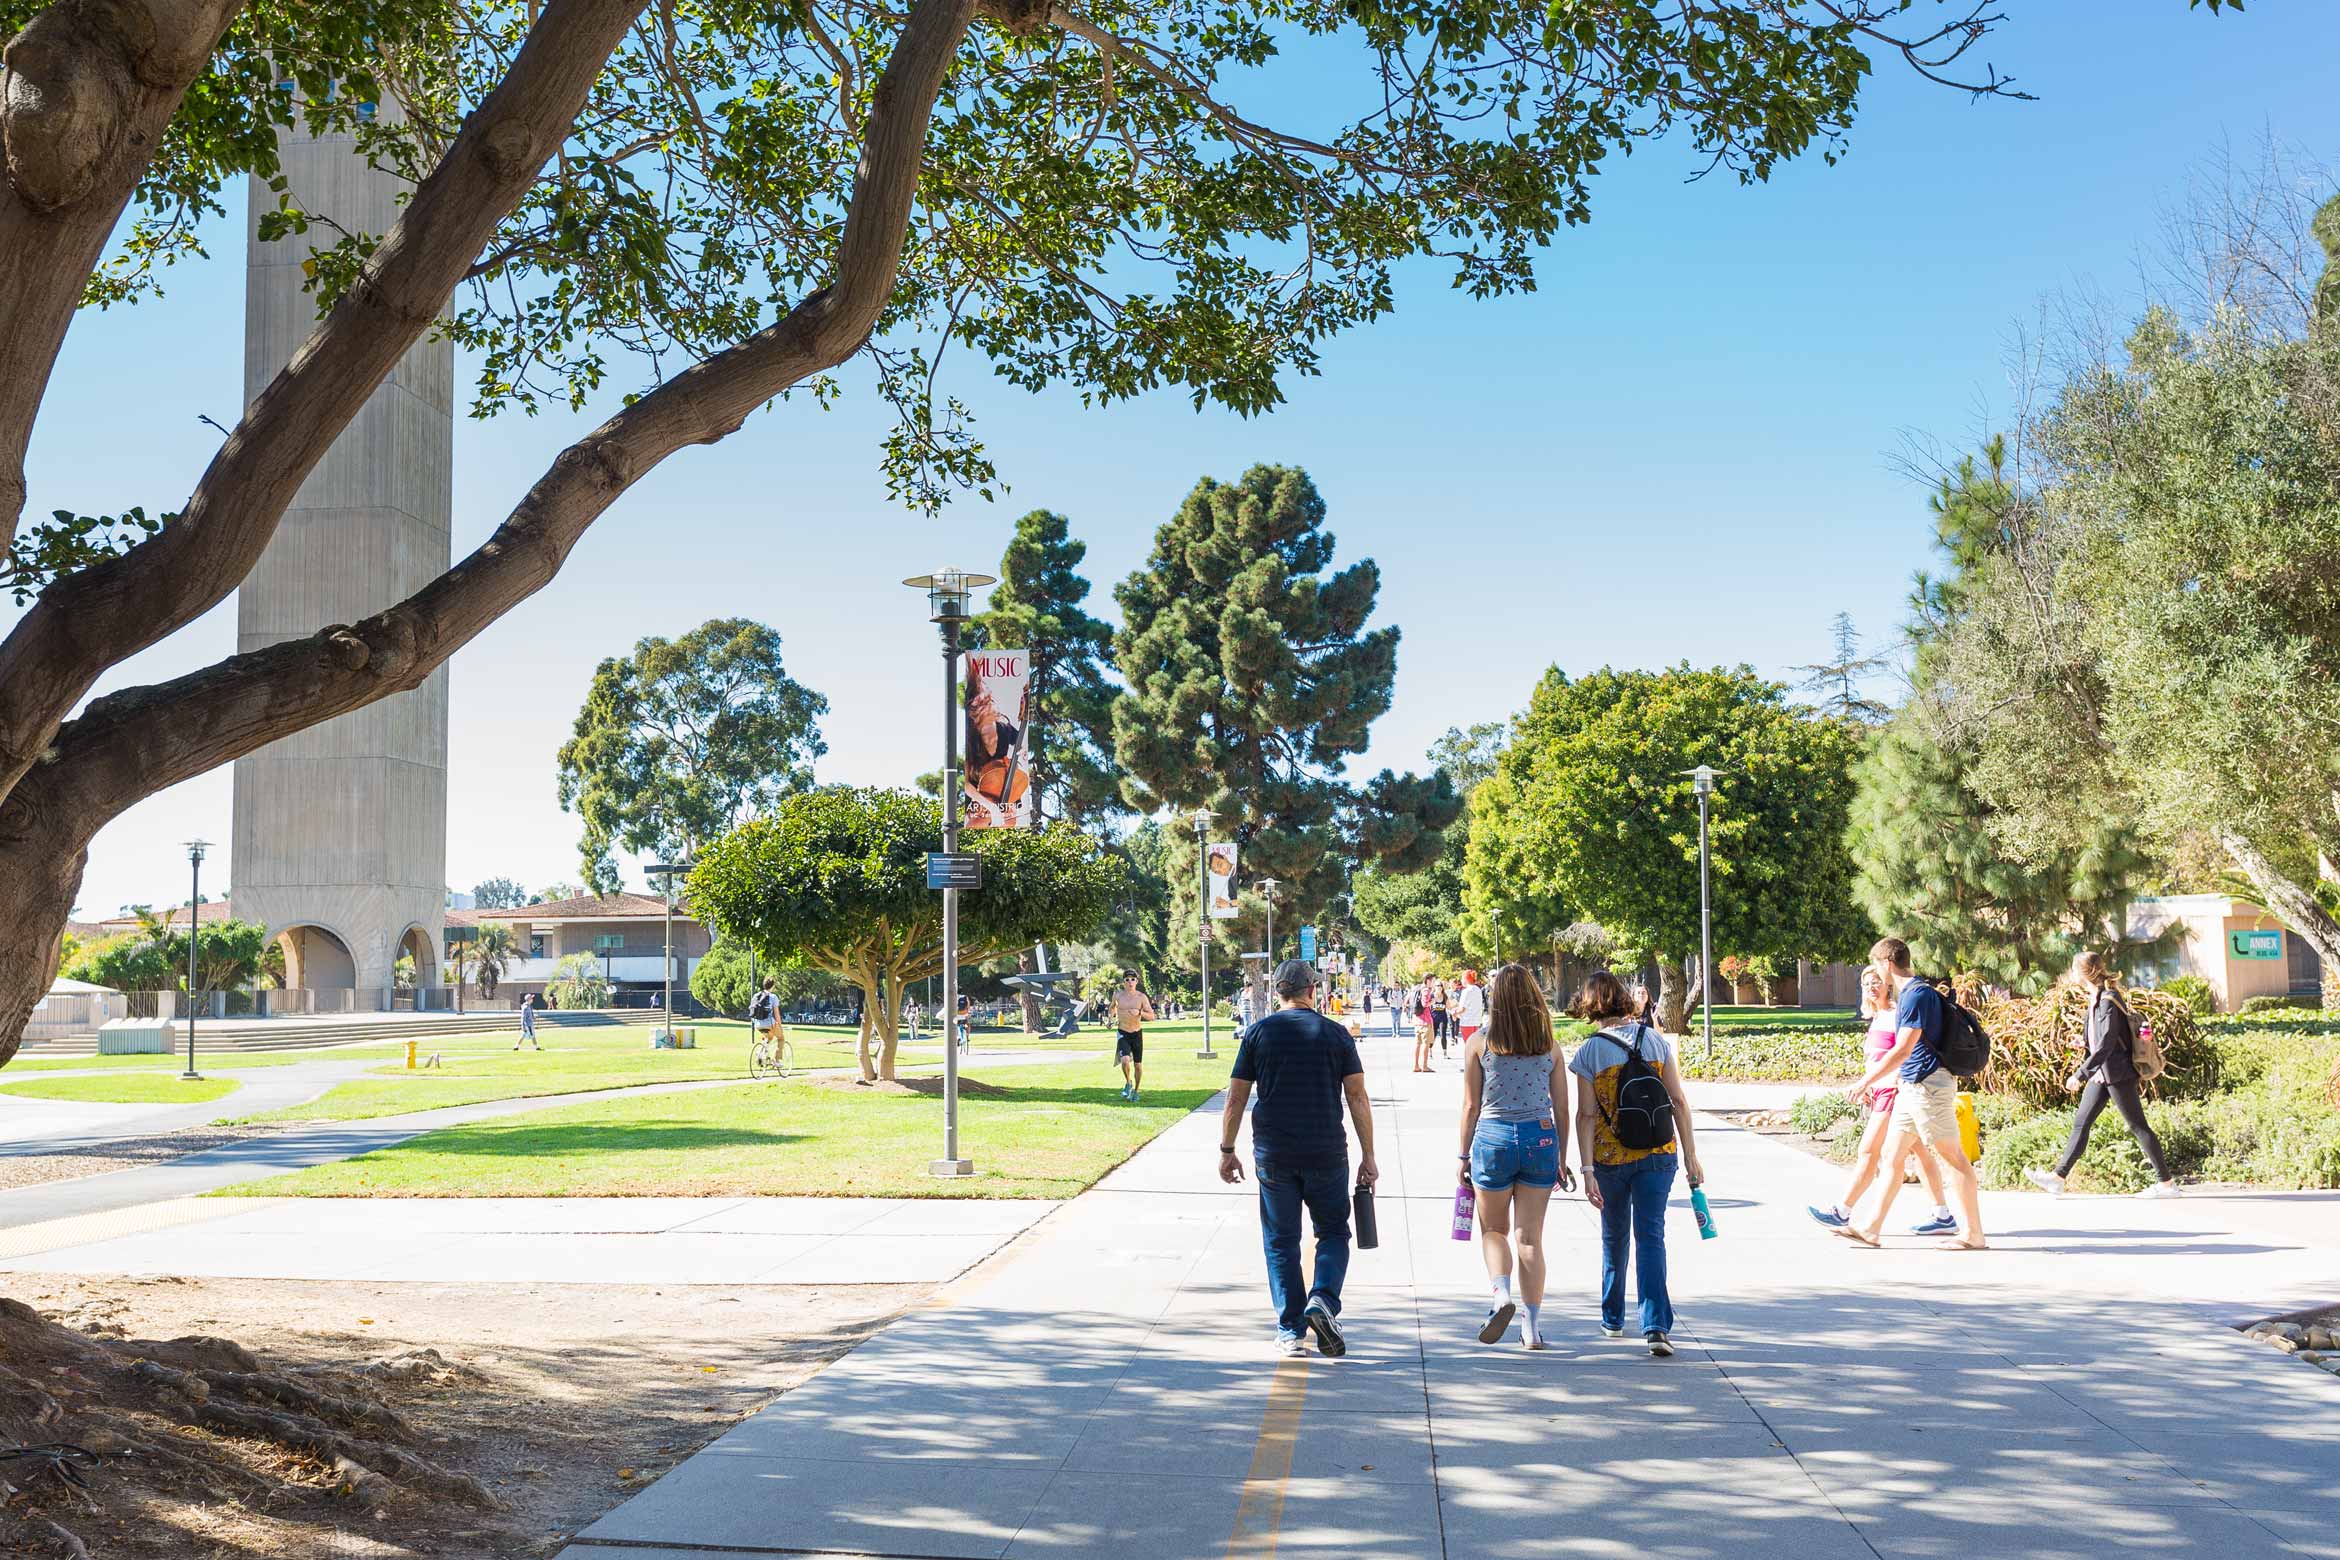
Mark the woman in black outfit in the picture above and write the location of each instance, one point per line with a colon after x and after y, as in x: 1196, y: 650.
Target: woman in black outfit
x: 2108, y: 1072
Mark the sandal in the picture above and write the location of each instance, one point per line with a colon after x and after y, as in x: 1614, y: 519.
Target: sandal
x: 1963, y: 1244
x: 1858, y: 1237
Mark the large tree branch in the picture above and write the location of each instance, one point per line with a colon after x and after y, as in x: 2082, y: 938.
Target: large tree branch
x: 91, y: 620
x: 131, y: 744
x: 86, y: 91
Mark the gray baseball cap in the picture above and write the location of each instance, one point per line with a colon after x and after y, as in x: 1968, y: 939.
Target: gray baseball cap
x: 1294, y: 976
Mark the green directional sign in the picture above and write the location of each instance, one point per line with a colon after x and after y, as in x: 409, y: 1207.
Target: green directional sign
x: 2255, y: 945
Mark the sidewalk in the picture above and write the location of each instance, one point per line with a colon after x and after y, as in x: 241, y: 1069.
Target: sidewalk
x: 35, y: 1126
x: 1105, y: 1389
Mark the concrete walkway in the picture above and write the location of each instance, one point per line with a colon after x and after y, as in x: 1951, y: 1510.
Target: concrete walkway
x: 30, y: 1126
x: 1105, y: 1389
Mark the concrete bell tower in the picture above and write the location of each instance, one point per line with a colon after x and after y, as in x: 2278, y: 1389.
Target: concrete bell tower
x: 340, y: 842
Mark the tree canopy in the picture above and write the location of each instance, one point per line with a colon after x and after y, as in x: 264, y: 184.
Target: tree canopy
x: 836, y: 879
x: 711, y: 208
x: 684, y: 739
x: 498, y: 893
x: 229, y: 956
x: 1253, y: 679
x: 1599, y: 814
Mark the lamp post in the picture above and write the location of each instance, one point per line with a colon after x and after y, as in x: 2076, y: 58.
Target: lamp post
x: 1202, y: 905
x: 947, y: 591
x: 1267, y: 891
x: 665, y: 872
x: 1702, y: 780
x: 194, y: 931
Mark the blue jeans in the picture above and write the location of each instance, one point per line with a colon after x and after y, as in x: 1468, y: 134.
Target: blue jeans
x: 1633, y: 1208
x: 1514, y: 1153
x: 1323, y: 1186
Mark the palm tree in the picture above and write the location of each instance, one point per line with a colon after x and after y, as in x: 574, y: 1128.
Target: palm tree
x: 491, y: 950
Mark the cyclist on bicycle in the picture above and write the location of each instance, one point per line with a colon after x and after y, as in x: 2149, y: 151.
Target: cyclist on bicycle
x: 764, y: 1019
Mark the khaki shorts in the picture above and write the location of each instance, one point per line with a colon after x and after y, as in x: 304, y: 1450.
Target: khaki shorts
x: 1929, y: 1109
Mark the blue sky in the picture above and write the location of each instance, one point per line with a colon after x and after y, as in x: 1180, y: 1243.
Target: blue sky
x: 1682, y: 447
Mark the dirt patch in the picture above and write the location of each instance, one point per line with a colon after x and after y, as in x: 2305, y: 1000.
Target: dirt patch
x: 554, y: 1401
x: 928, y: 1087
x: 122, y: 1154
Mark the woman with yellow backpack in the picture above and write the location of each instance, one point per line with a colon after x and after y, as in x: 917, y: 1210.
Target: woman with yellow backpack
x: 2110, y: 1071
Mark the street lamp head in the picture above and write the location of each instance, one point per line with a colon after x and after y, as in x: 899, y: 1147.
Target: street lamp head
x: 1267, y: 886
x: 1202, y: 820
x: 947, y: 592
x: 1701, y: 779
x: 195, y: 849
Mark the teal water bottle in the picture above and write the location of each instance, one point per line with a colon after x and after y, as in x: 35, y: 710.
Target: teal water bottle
x: 1706, y: 1229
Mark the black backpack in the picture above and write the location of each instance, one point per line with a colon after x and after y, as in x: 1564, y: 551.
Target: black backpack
x: 760, y: 1011
x: 1645, y: 1111
x: 1963, y: 1045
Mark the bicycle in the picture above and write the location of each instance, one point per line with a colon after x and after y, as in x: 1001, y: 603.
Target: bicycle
x: 771, y: 1054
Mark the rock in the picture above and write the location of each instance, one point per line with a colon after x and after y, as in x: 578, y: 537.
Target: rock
x: 2323, y: 1338
x: 2309, y: 1355
x: 2260, y: 1330
x: 2332, y: 1365
x: 2287, y: 1345
x: 2290, y: 1330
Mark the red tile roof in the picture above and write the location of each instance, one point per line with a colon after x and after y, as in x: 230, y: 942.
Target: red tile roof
x: 212, y: 911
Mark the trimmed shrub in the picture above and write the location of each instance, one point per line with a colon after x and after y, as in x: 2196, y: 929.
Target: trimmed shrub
x: 2273, y: 1004
x: 1813, y: 1114
x: 2195, y: 993
x: 1777, y: 1055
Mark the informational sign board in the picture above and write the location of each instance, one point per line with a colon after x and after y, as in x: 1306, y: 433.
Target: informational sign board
x: 997, y: 790
x: 1308, y: 944
x: 953, y: 871
x: 2255, y: 945
x: 1221, y: 872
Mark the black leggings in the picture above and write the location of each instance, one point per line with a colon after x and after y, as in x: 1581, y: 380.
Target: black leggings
x: 2092, y: 1101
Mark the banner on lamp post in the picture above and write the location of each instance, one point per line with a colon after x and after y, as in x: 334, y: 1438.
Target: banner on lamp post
x: 1221, y: 872
x: 997, y: 790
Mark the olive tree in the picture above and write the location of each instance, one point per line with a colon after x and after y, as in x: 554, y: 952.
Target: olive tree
x: 712, y: 208
x: 836, y: 879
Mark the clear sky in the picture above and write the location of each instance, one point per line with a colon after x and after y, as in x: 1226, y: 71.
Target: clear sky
x: 1682, y: 447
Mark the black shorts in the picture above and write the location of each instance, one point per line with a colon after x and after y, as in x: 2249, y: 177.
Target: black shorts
x: 1130, y: 1043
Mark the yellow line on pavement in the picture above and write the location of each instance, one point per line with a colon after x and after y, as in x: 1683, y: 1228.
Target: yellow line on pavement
x: 1259, y: 1514
x: 86, y: 1229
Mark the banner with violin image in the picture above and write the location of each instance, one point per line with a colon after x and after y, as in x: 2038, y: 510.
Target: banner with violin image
x: 997, y: 792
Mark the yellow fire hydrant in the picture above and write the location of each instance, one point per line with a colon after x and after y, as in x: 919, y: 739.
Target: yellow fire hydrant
x: 410, y: 1050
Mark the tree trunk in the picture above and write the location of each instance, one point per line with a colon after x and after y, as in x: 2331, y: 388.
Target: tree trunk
x: 861, y: 977
x: 1673, y: 995
x: 891, y: 1017
x: 40, y: 873
x: 1025, y: 965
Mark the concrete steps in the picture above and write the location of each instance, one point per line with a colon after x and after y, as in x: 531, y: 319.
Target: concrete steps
x: 301, y: 1034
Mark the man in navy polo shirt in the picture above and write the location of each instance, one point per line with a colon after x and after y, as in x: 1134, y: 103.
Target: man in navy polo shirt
x: 1304, y: 1068
x: 1925, y: 1103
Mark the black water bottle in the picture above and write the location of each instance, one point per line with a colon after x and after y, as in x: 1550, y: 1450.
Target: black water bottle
x: 1368, y: 1226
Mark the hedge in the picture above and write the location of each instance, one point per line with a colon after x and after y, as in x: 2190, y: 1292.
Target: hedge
x: 1776, y: 1055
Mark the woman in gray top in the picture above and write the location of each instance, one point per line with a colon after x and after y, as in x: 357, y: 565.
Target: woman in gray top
x: 1514, y: 1143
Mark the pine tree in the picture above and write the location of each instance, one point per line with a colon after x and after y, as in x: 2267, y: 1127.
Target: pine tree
x: 1037, y: 606
x: 1252, y: 680
x: 1838, y: 681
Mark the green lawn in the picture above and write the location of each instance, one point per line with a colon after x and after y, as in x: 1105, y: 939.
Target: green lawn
x: 1051, y: 1131
x: 486, y: 1067
x: 175, y: 1060
x: 145, y: 1088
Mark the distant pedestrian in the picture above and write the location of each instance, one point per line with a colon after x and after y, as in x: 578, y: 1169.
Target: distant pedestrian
x: 1305, y: 1069
x: 1633, y: 1131
x: 966, y: 1024
x: 1877, y: 1007
x: 1925, y: 1099
x: 2108, y: 1073
x: 1470, y: 1007
x: 527, y: 1023
x: 1131, y: 1010
x: 1441, y: 1014
x: 1423, y: 1033
x: 1514, y: 1143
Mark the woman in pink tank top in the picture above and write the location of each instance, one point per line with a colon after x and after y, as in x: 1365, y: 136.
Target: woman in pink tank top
x: 1878, y: 1006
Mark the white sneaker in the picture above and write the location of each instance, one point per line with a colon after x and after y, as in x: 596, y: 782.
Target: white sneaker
x: 1292, y: 1346
x: 2046, y: 1180
x: 2161, y: 1189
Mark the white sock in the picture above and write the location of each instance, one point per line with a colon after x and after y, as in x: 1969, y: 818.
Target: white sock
x: 1531, y: 1330
x: 1501, y: 1287
x: 1942, y: 1210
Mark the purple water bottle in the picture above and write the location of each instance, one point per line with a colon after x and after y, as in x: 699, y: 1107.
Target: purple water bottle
x: 1463, y: 1201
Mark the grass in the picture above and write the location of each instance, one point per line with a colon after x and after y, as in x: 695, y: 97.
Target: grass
x: 477, y: 1068
x: 1050, y: 1130
x: 131, y: 1089
x: 211, y: 1062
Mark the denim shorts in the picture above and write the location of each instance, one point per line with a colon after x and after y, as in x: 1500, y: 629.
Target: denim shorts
x: 1508, y: 1153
